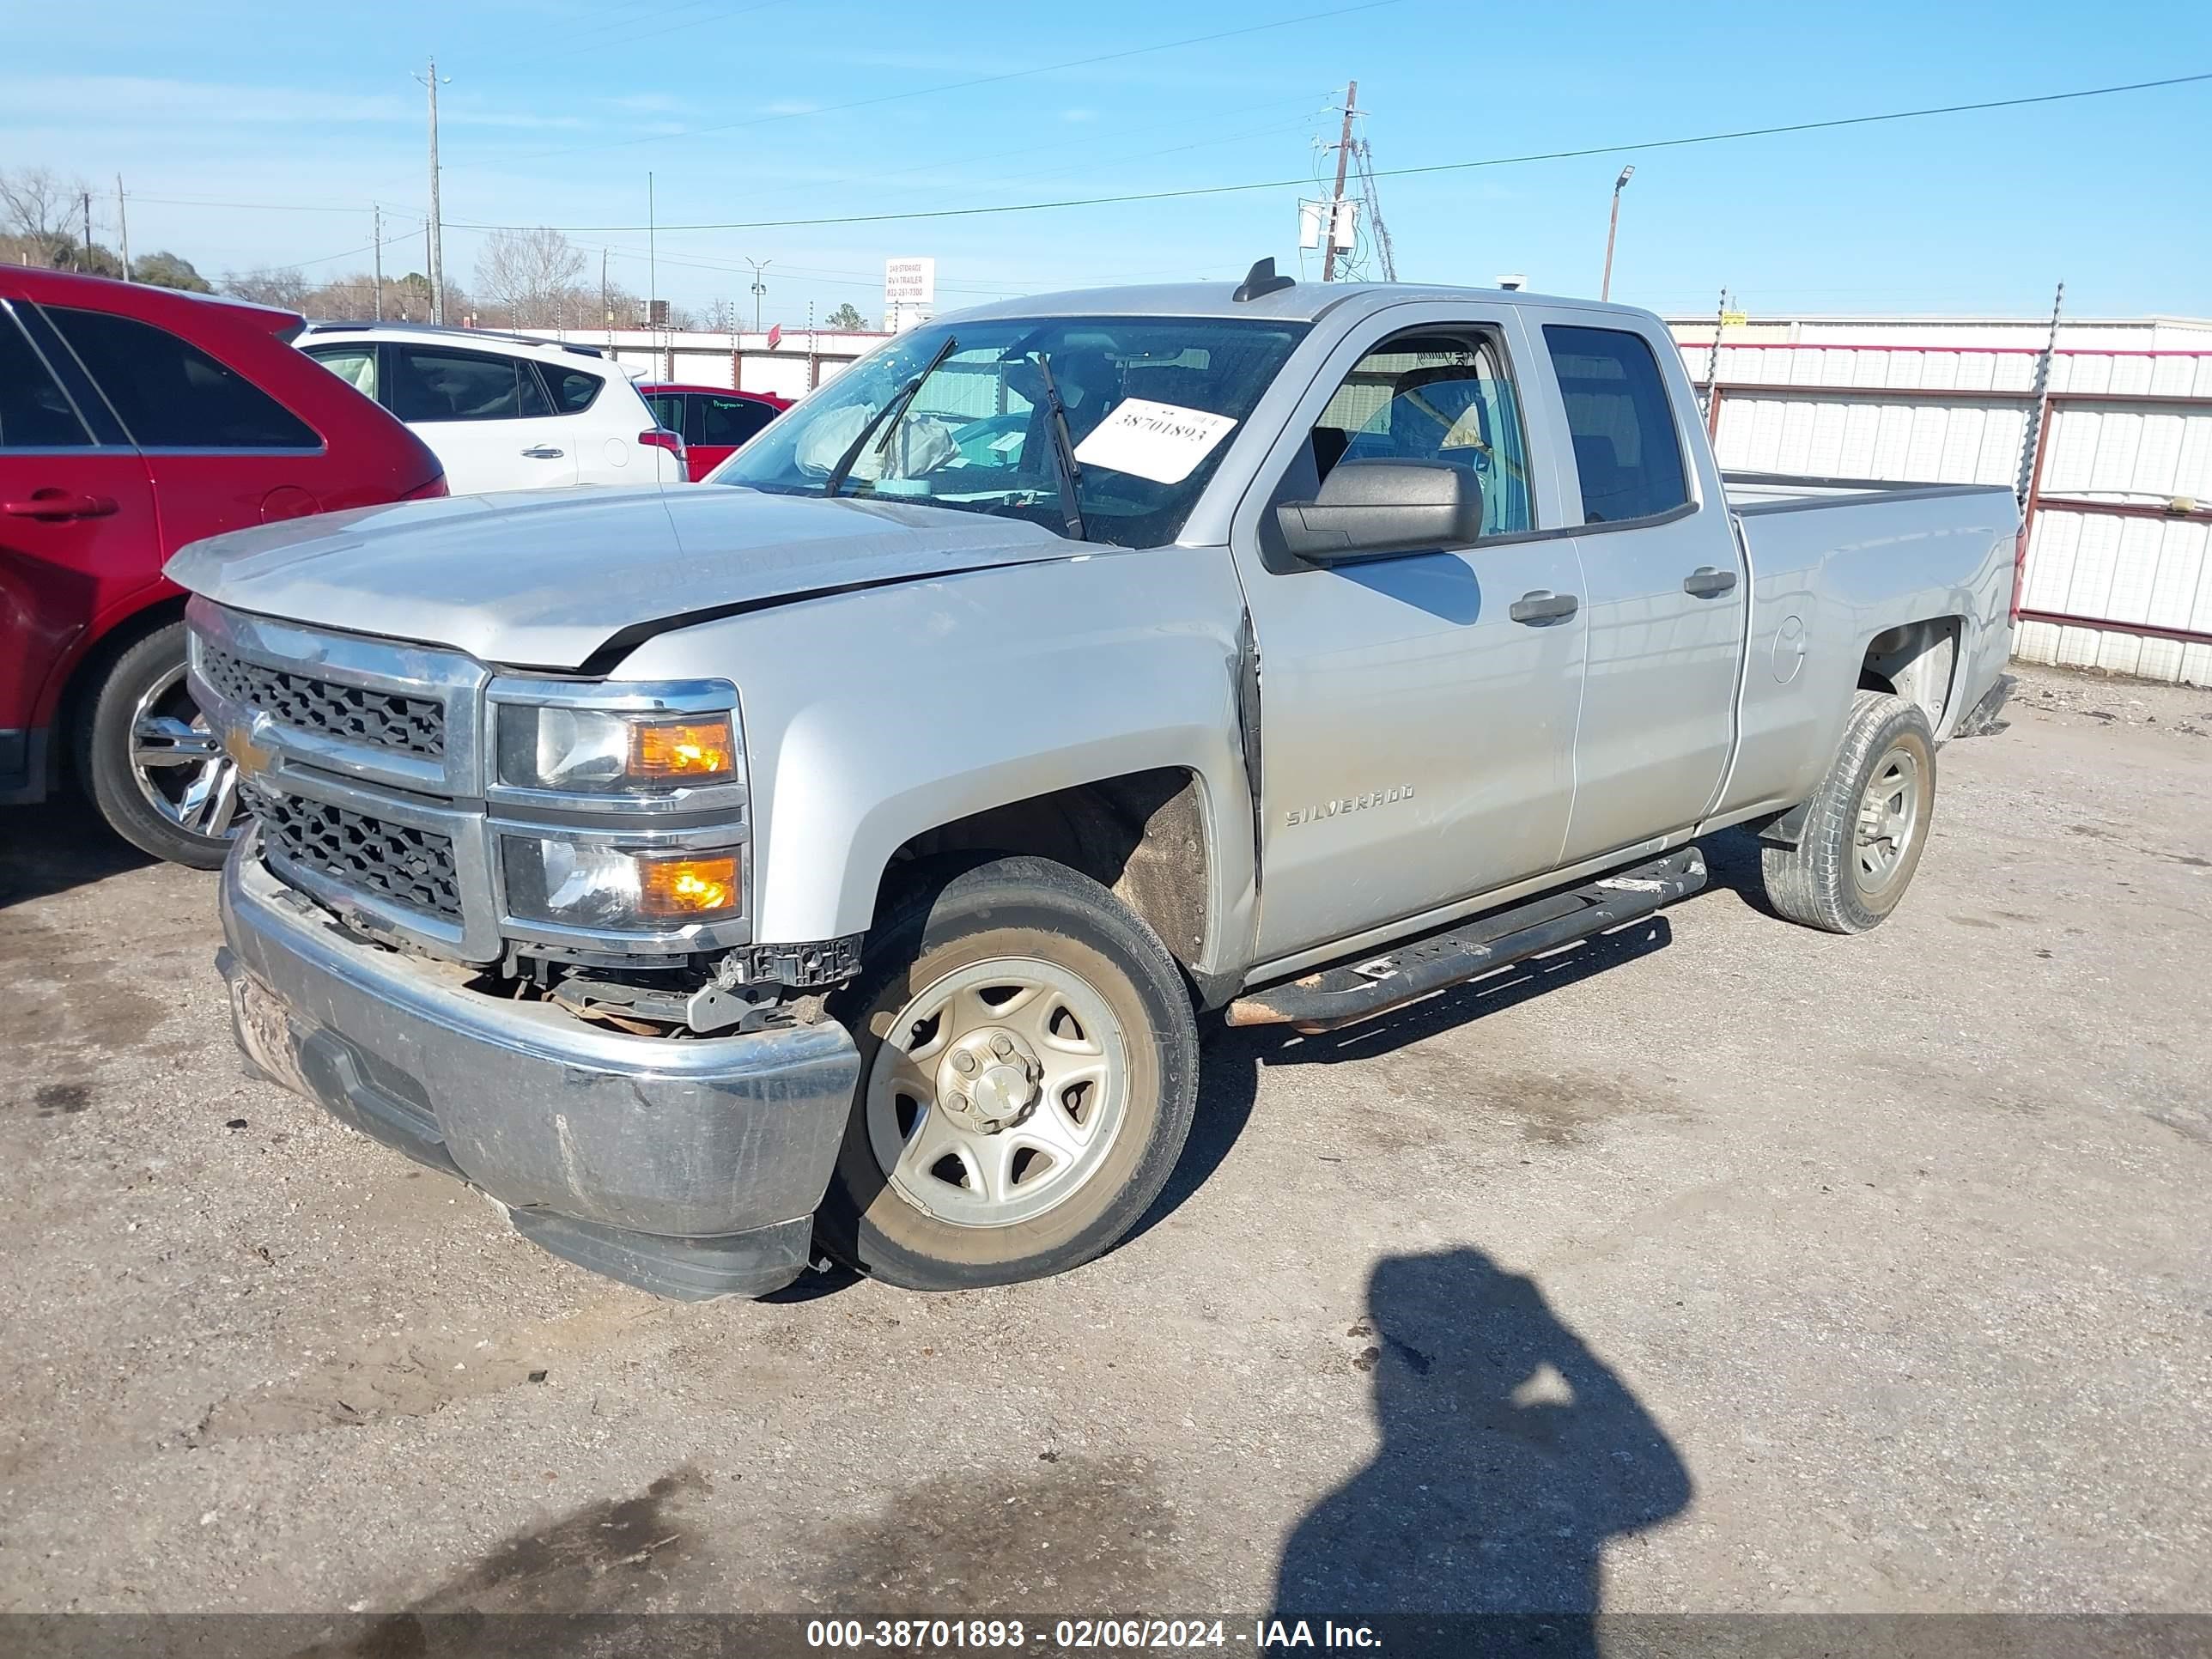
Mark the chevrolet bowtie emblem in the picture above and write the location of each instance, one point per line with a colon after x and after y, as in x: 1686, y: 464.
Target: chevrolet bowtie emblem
x: 252, y: 760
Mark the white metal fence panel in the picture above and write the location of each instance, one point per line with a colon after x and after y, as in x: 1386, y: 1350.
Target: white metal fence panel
x: 1846, y: 436
x: 2117, y: 542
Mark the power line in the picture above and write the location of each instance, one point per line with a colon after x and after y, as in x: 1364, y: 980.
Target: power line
x: 963, y: 86
x: 1390, y: 172
x: 271, y: 207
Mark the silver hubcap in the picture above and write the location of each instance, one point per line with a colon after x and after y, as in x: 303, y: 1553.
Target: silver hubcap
x: 997, y: 1091
x: 179, y: 765
x: 1889, y: 818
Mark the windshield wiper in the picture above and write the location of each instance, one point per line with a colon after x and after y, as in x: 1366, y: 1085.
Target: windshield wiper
x: 890, y: 412
x: 1063, y: 452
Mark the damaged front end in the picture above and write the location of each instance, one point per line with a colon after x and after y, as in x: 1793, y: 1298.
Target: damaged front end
x: 503, y: 924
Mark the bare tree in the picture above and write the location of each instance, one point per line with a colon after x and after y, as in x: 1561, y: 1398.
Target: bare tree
x: 38, y: 202
x: 532, y: 274
x: 269, y: 285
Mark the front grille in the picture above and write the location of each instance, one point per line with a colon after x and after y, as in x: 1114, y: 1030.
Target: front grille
x: 410, y: 866
x: 388, y: 720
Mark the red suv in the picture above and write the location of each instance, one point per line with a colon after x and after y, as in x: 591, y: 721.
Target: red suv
x: 712, y: 420
x: 134, y: 419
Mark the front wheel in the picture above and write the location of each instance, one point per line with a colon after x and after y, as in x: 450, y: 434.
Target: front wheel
x: 157, y: 774
x: 1866, y: 827
x: 1029, y: 1073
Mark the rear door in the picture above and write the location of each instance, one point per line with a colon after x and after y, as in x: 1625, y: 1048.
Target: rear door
x: 486, y: 415
x: 1664, y: 589
x: 78, y: 531
x: 1416, y: 740
x: 222, y: 453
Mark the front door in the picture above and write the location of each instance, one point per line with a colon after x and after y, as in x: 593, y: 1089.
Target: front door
x: 1417, y: 742
x: 1664, y: 587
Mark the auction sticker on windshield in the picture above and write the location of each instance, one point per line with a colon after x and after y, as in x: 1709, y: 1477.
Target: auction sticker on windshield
x: 1163, y: 442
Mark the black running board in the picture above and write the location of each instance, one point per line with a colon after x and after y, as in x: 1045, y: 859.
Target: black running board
x: 1339, y: 996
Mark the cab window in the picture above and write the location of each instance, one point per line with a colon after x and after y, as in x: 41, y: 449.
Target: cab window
x: 1628, y: 455
x: 1434, y: 398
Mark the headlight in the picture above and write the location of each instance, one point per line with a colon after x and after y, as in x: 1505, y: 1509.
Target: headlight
x: 574, y: 884
x: 610, y: 751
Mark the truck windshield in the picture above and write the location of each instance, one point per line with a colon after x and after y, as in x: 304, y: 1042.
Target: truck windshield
x: 1151, y: 404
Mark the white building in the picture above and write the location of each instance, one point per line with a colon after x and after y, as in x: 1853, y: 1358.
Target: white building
x: 788, y: 361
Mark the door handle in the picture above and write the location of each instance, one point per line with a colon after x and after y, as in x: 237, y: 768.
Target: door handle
x: 544, y: 452
x: 1542, y: 606
x: 59, y: 504
x: 1707, y: 583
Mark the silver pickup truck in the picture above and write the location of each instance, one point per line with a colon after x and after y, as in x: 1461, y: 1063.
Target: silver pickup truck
x: 836, y: 859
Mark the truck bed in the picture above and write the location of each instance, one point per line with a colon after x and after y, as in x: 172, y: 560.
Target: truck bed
x: 1824, y: 582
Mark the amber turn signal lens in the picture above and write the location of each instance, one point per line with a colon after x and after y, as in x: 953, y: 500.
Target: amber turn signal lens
x: 683, y: 748
x: 680, y: 888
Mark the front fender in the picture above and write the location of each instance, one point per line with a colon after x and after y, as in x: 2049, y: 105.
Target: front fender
x: 873, y: 716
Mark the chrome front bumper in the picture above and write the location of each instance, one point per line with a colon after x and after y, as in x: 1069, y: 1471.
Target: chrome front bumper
x: 691, y: 1169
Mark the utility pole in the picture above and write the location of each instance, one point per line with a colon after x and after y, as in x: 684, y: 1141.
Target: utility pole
x: 123, y: 227
x: 652, y: 259
x: 434, y: 231
x: 376, y: 210
x: 1612, y: 225
x: 759, y: 288
x: 1336, y: 201
x: 85, y: 259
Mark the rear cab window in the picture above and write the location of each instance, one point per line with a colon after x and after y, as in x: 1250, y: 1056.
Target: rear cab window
x: 172, y: 395
x: 1628, y: 450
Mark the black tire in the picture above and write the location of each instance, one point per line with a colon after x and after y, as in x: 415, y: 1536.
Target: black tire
x: 104, y: 764
x: 945, y: 919
x: 1832, y: 879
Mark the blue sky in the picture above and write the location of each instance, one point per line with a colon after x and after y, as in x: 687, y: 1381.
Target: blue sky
x: 557, y: 109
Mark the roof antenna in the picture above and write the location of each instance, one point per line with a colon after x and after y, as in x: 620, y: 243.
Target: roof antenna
x: 1262, y: 279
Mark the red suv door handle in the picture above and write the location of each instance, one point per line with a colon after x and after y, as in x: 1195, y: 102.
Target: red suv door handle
x: 59, y: 504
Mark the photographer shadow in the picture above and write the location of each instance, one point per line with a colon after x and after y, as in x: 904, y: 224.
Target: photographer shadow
x: 1512, y: 1454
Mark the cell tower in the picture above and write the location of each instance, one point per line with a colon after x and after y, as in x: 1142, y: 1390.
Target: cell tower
x: 1364, y: 159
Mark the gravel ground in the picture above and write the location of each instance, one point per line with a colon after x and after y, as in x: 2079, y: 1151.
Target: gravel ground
x: 1745, y: 1268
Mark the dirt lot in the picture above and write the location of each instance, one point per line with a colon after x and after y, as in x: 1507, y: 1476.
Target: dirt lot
x: 1743, y: 1268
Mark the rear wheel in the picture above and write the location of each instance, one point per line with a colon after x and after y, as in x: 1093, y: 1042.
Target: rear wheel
x: 1865, y: 827
x: 157, y: 774
x: 1029, y: 1071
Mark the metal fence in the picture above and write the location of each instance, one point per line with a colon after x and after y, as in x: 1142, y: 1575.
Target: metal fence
x: 2118, y: 508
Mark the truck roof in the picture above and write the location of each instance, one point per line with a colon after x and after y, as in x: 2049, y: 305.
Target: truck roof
x: 1300, y: 302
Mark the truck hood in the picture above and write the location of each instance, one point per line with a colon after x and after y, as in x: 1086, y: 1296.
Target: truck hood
x: 546, y: 578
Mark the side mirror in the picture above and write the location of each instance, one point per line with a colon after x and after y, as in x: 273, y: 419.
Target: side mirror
x: 1377, y: 509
